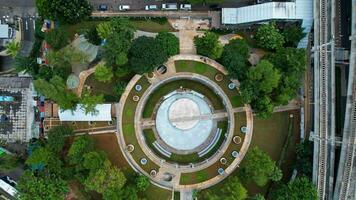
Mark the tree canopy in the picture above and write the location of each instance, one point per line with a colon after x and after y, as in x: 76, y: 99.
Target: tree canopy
x: 57, y: 136
x: 269, y: 37
x: 105, y: 178
x: 234, y: 58
x: 145, y: 55
x: 258, y: 167
x: 89, y: 101
x: 57, y: 38
x: 56, y: 90
x: 81, y: 145
x: 300, y: 188
x: 291, y: 62
x: 208, y: 45
x: 103, y: 73
x: 257, y: 88
x: 39, y: 186
x: 12, y: 48
x: 169, y: 43
x: 292, y: 35
x: 65, y: 11
x: 116, y: 49
x: 91, y: 34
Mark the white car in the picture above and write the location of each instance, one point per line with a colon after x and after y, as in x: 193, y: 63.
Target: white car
x: 151, y: 7
x: 186, y: 6
x: 124, y: 7
x: 169, y: 6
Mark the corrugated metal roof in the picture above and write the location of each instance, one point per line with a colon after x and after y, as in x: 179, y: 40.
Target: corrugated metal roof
x: 103, y: 114
x: 259, y: 12
x: 14, y: 82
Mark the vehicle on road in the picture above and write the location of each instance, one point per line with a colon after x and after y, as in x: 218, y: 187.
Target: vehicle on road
x: 169, y: 6
x: 151, y: 7
x: 103, y: 7
x: 186, y: 6
x: 124, y: 7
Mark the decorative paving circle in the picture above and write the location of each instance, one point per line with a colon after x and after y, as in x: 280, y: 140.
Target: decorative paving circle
x: 183, y: 113
x: 179, y: 121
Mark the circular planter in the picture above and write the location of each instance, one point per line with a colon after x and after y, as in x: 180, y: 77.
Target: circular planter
x: 135, y: 98
x: 153, y: 173
x: 219, y: 77
x: 130, y: 148
x: 237, y: 139
x: 143, y: 161
x: 223, y: 161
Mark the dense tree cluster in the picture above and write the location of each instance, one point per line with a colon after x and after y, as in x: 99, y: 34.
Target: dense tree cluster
x: 300, y: 188
x: 83, y: 163
x: 65, y: 11
x: 269, y: 37
x: 56, y: 90
x: 258, y: 167
x: 89, y: 101
x: 208, y: 45
x: 103, y: 73
x: 234, y: 58
x: 57, y: 38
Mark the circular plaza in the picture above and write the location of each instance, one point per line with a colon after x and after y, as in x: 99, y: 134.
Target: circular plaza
x: 185, y: 128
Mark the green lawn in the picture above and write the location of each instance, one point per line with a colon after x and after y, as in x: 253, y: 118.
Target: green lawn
x: 151, y: 26
x: 169, y: 87
x: 143, y: 25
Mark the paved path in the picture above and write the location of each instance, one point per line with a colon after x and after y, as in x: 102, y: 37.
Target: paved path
x: 186, y: 194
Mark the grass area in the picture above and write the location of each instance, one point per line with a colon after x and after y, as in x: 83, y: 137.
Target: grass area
x: 105, y: 88
x: 140, y: 24
x: 72, y: 29
x: 210, y: 72
x: 152, y: 26
x: 174, y: 85
x: 128, y: 122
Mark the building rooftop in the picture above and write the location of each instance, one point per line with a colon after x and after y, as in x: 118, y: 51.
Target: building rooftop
x: 4, y: 31
x: 15, y: 82
x: 103, y: 114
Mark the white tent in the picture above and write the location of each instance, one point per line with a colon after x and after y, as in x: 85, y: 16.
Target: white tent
x: 103, y: 114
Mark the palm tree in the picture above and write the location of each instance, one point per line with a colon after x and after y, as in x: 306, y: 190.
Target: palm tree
x: 12, y: 48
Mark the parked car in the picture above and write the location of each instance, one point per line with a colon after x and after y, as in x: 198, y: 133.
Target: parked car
x: 151, y: 7
x: 169, y: 6
x: 103, y: 7
x: 186, y: 6
x: 124, y: 7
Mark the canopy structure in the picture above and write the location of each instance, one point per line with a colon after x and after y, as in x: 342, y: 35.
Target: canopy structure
x: 103, y: 114
x: 86, y: 47
x: 296, y: 10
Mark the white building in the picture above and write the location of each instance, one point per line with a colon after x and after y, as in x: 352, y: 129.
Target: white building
x: 103, y: 114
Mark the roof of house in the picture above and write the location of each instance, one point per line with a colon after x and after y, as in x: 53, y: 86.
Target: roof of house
x: 14, y: 82
x: 103, y: 114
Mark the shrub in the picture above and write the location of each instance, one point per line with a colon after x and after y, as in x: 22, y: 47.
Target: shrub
x: 57, y: 38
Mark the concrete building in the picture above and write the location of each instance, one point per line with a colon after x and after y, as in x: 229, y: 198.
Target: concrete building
x: 16, y: 109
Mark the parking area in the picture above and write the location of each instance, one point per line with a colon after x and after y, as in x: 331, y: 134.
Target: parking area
x: 113, y: 5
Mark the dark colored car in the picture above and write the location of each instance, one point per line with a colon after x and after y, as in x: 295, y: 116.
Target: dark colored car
x: 103, y: 7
